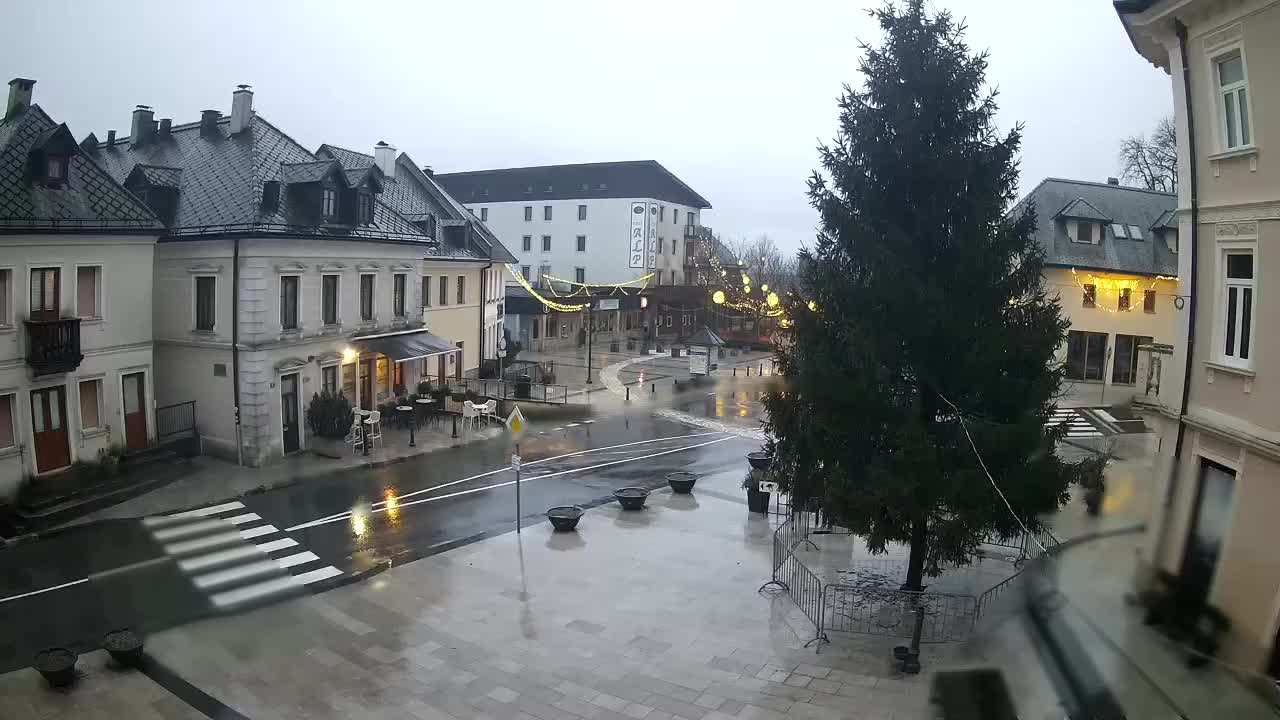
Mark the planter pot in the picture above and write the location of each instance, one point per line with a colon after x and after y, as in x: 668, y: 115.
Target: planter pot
x: 613, y: 346
x: 631, y: 498
x: 125, y: 647
x: 759, y: 460
x: 681, y: 482
x: 57, y: 665
x: 757, y: 502
x: 565, y: 518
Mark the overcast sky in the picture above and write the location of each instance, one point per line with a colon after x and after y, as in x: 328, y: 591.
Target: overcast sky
x: 732, y: 97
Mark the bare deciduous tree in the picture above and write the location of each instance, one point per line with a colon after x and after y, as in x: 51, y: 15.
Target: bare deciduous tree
x: 765, y: 263
x: 1152, y: 162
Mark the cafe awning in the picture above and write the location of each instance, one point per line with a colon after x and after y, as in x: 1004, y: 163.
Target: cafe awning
x: 405, y: 345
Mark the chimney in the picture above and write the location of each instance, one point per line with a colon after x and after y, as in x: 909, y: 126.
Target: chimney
x: 1113, y: 181
x: 241, y: 109
x: 165, y: 126
x: 209, y: 123
x: 140, y: 130
x: 19, y: 96
x: 384, y: 156
x: 111, y: 138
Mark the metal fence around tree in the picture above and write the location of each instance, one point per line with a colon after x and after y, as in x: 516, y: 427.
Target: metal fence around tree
x: 878, y: 608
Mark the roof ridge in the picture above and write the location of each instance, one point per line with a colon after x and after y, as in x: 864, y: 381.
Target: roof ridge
x: 561, y: 165
x: 1106, y: 185
x: 343, y: 149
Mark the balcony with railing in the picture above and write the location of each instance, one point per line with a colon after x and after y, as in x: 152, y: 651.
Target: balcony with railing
x: 53, y: 346
x: 697, y: 232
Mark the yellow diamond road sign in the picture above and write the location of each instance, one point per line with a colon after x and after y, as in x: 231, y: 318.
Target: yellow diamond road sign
x: 516, y: 421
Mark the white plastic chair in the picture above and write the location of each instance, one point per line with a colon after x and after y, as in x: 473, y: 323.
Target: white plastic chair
x: 470, y: 414
x: 374, y: 434
x: 355, y: 436
x: 489, y: 410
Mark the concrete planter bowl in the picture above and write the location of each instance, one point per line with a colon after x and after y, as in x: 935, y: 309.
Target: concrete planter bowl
x: 565, y: 518
x: 125, y: 647
x: 57, y: 665
x: 631, y: 498
x: 759, y: 460
x: 681, y: 482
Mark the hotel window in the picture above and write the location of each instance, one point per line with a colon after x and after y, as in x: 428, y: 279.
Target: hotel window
x: 90, y: 404
x: 289, y: 302
x: 329, y: 204
x: 7, y: 434
x: 1237, y: 307
x: 89, y: 292
x: 528, y: 213
x: 546, y: 243
x: 1149, y: 301
x: 546, y: 212
x: 1090, y: 295
x: 366, y: 298
x: 426, y: 291
x: 444, y: 290
x: 329, y: 379
x: 582, y: 212
x: 398, y: 282
x: 462, y: 289
x: 1124, y: 299
x: 580, y: 275
x: 526, y: 243
x: 206, y: 296
x: 329, y: 299
x: 484, y: 214
x: 1233, y: 88
x: 1086, y: 355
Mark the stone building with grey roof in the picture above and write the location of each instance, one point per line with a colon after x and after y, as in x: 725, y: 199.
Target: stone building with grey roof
x: 76, y: 361
x: 281, y: 273
x: 1111, y: 256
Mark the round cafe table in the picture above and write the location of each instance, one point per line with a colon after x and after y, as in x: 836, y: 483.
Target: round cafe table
x: 424, y: 404
x: 407, y: 410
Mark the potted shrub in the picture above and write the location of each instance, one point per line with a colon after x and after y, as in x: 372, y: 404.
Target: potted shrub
x: 681, y: 482
x: 424, y: 388
x: 1092, y: 479
x: 125, y: 647
x: 329, y: 417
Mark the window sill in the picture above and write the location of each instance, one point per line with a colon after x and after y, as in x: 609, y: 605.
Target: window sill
x: 88, y: 433
x: 11, y: 451
x: 8, y: 328
x: 92, y: 321
x: 205, y: 333
x: 1248, y: 151
x: 1230, y: 369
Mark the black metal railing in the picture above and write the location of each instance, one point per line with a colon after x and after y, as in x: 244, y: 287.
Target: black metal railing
x: 871, y: 610
x: 174, y: 421
x: 515, y: 390
x: 53, y: 346
x: 697, y: 232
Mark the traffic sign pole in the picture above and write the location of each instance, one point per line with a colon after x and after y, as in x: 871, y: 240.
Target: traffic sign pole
x: 516, y: 462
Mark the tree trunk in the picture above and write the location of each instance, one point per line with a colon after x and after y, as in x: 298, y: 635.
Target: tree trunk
x: 919, y: 549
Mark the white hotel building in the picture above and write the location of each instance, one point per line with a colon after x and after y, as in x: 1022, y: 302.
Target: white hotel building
x: 576, y: 222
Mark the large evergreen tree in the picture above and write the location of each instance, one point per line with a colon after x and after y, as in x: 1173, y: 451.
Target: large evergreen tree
x: 927, y: 291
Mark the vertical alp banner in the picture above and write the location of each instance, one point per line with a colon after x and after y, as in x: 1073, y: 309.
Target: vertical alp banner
x: 637, y: 242
x: 652, y: 235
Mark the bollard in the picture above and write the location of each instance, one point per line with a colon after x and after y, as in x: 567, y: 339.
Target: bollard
x: 628, y: 394
x: 748, y: 371
x: 653, y: 388
x: 735, y: 372
x: 761, y: 370
x: 455, y: 427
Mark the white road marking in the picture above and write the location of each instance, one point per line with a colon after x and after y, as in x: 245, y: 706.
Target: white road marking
x: 205, y: 543
x: 346, y: 513
x: 323, y: 573
x: 181, y: 531
x: 198, y: 512
x: 402, y: 505
x: 236, y: 574
x: 45, y: 590
x: 274, y: 545
x: 242, y: 519
x: 298, y: 559
x: 255, y: 591
x: 259, y: 531
x: 202, y: 562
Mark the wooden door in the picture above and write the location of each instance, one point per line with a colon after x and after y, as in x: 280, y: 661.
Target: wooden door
x: 49, y: 428
x: 366, y: 384
x: 46, y: 288
x: 134, y: 390
x: 289, y: 412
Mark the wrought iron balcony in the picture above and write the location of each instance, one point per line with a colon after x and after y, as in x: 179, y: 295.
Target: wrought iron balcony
x: 53, y: 346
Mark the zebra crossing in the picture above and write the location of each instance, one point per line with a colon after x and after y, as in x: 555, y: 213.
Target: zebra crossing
x: 1077, y: 426
x: 235, y: 557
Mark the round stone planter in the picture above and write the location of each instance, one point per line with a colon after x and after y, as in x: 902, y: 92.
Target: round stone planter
x: 565, y: 518
x: 57, y: 665
x: 681, y: 482
x: 125, y: 647
x: 631, y: 498
x: 759, y: 460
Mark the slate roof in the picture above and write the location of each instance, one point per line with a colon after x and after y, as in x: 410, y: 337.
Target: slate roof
x: 1080, y: 209
x: 415, y: 196
x: 221, y: 179
x: 1166, y: 220
x: 1113, y: 204
x: 91, y: 200
x: 159, y: 176
x: 630, y: 179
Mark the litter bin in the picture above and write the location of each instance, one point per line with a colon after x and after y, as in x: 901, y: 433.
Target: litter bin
x: 524, y: 384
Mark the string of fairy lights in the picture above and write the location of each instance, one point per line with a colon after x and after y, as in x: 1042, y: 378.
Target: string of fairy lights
x: 1115, y: 286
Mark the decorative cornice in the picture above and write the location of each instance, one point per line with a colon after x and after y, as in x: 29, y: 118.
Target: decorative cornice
x: 326, y: 358
x: 290, y: 363
x: 1225, y: 36
x: 331, y: 267
x: 291, y: 267
x: 204, y: 268
x: 368, y: 267
x: 402, y: 267
x: 1225, y: 231
x: 1240, y: 212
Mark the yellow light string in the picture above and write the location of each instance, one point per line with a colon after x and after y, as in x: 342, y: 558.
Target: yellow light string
x: 1115, y: 285
x: 532, y: 291
x: 583, y: 289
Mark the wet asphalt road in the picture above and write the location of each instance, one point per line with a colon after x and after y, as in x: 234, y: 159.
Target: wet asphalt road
x: 72, y: 586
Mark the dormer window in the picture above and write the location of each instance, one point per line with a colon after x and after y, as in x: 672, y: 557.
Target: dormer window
x: 329, y: 203
x: 431, y: 226
x: 364, y: 209
x: 56, y: 168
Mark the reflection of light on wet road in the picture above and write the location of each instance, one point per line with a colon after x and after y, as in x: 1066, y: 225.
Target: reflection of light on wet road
x: 392, y: 504
x: 359, y: 523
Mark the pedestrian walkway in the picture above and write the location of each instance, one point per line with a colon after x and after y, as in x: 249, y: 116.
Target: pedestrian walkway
x: 235, y: 557
x: 1077, y: 425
